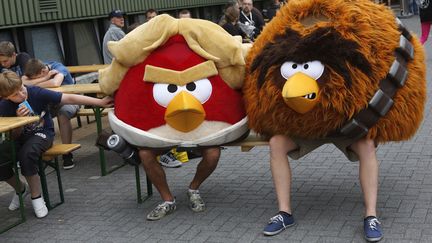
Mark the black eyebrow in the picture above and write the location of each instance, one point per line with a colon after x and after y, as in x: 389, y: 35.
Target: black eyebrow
x: 324, y: 44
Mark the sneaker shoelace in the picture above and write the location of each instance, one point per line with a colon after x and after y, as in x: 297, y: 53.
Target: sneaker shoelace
x: 276, y: 219
x: 161, y: 207
x: 373, y: 224
x: 166, y: 158
x: 196, y: 197
x: 171, y: 156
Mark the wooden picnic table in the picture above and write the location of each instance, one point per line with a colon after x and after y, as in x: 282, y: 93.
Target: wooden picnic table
x: 86, y: 68
x: 7, y: 124
x: 91, y: 88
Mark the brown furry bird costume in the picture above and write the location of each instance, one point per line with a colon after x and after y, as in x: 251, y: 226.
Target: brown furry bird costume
x: 331, y: 69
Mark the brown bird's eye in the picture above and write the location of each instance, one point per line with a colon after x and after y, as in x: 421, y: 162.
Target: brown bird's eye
x: 289, y: 68
x: 172, y: 88
x: 313, y: 69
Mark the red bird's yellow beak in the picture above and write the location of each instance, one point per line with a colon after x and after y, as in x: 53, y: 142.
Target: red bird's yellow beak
x: 300, y: 92
x: 184, y: 112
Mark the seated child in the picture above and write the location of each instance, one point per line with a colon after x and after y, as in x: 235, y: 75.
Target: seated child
x: 54, y: 74
x: 34, y: 139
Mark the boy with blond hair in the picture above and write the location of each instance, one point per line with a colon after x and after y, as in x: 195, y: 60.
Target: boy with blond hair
x: 34, y: 139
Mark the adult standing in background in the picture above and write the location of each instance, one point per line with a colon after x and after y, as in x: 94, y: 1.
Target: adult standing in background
x: 114, y: 33
x: 414, y: 9
x: 272, y: 9
x: 251, y: 18
x: 230, y: 3
x: 425, y: 8
x: 150, y: 13
x: 184, y: 13
x: 232, y: 14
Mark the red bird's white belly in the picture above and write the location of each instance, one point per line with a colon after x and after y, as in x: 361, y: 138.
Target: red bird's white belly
x: 209, y: 133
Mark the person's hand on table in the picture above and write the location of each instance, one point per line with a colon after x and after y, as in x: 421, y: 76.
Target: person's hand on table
x: 107, y: 102
x: 52, y: 73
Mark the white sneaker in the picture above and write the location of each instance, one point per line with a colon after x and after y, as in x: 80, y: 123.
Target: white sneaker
x: 169, y: 160
x: 161, y: 210
x: 195, y: 201
x: 15, y: 203
x: 39, y: 207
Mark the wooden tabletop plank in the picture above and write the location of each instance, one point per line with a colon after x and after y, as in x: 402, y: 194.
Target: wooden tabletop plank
x: 86, y: 68
x: 9, y: 123
x: 92, y: 88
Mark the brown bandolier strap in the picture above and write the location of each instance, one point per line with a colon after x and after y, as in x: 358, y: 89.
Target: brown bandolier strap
x: 382, y: 100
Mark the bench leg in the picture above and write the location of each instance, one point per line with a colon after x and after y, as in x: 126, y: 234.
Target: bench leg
x: 59, y: 182
x: 18, y: 181
x: 140, y: 199
x: 102, y: 158
x: 44, y: 184
x: 78, y: 121
x: 98, y: 118
x: 21, y: 208
x: 21, y: 200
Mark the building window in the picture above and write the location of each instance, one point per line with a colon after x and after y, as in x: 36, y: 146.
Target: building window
x: 86, y: 43
x: 43, y: 43
x: 6, y: 35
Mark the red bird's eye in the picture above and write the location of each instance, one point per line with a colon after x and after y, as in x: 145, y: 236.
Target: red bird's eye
x: 191, y: 86
x: 172, y: 88
x: 164, y: 93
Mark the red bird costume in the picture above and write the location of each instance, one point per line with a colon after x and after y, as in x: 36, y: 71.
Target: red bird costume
x: 177, y: 96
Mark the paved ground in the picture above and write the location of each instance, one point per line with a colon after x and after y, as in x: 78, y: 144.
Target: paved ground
x: 240, y: 197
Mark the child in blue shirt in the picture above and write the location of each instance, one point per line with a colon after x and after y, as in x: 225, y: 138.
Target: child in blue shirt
x: 54, y: 74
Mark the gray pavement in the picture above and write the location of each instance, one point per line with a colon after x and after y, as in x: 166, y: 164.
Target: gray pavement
x: 240, y: 197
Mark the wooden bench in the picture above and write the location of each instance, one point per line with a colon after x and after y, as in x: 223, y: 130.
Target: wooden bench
x: 89, y: 112
x: 251, y: 141
x: 50, y: 158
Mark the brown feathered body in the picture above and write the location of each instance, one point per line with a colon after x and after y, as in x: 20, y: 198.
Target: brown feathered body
x: 356, y: 42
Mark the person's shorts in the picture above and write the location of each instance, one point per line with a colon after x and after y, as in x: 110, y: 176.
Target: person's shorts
x: 305, y: 146
x: 67, y: 110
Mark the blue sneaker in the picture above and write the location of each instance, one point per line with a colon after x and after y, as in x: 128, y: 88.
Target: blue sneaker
x: 278, y: 223
x: 372, y: 229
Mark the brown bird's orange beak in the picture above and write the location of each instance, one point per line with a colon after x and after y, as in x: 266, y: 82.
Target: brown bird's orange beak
x: 300, y: 92
x: 184, y: 112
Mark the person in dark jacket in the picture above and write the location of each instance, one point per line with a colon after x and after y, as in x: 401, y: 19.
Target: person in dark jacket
x: 272, y: 9
x: 232, y: 14
x: 10, y: 60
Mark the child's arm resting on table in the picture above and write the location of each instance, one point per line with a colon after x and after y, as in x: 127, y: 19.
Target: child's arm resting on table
x: 86, y: 100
